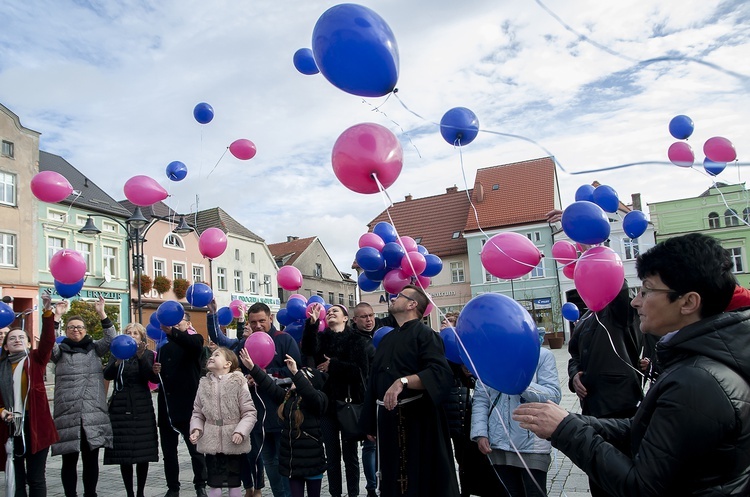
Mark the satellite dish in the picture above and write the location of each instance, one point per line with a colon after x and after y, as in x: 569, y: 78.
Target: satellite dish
x: 107, y: 274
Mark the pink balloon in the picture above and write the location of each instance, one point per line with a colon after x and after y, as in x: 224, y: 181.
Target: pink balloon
x: 569, y: 270
x: 236, y: 308
x: 321, y: 326
x: 289, y: 278
x: 413, y: 263
x: 212, y: 243
x: 363, y: 150
x: 509, y: 255
x: 719, y: 149
x: 371, y: 240
x: 428, y: 310
x: 395, y: 281
x: 243, y: 149
x: 598, y: 277
x: 681, y: 154
x: 144, y: 191
x: 409, y: 244
x: 260, y: 348
x: 423, y: 281
x: 49, y: 186
x: 310, y: 307
x: 298, y: 296
x: 564, y: 252
x: 67, y: 266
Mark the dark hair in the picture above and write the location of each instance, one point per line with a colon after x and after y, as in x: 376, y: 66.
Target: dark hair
x: 259, y: 307
x: 5, y: 339
x: 75, y: 317
x: 420, y: 297
x: 692, y: 263
x: 186, y: 317
x: 230, y: 356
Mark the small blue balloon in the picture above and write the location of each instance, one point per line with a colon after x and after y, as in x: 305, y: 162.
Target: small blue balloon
x: 304, y: 62
x: 154, y: 332
x: 224, y: 316
x: 422, y: 250
x: 68, y: 291
x: 379, y: 334
x: 283, y: 317
x: 59, y: 339
x: 170, y: 313
x: 570, y: 311
x: 296, y: 329
x: 377, y: 275
x: 681, y: 127
x: 450, y: 341
x: 203, y: 113
x: 585, y: 192
x: 153, y: 320
x: 123, y: 347
x: 606, y: 197
x: 459, y: 126
x: 199, y: 295
x: 369, y: 259
x: 585, y: 222
x: 433, y: 267
x: 316, y: 299
x: 386, y: 232
x: 328, y: 306
x: 713, y: 168
x: 297, y: 309
x: 176, y: 171
x: 634, y: 224
x: 367, y: 285
x: 393, y: 253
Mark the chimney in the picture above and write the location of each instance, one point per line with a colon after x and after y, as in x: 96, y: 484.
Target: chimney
x: 479, y: 189
x: 451, y: 189
x: 291, y: 238
x: 636, y: 197
x: 407, y: 197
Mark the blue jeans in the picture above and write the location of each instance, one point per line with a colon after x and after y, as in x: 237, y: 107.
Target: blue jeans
x: 270, y: 453
x: 369, y: 464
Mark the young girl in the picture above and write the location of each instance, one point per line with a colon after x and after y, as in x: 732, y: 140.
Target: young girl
x: 223, y: 416
x: 302, y: 457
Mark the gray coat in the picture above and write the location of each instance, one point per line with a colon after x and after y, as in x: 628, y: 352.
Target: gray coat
x: 80, y: 397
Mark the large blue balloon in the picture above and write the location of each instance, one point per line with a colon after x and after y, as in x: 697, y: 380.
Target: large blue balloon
x: 199, y: 295
x: 606, y: 197
x: 154, y: 332
x: 451, y: 344
x: 369, y: 259
x: 459, y: 126
x: 585, y: 222
x: 203, y: 113
x: 433, y: 267
x: 296, y: 329
x: 585, y: 192
x: 123, y: 347
x: 170, y: 313
x: 681, y: 127
x: 283, y: 317
x: 377, y: 275
x: 570, y: 311
x: 356, y: 50
x: 634, y: 224
x: 176, y: 171
x: 7, y: 315
x: 304, y: 62
x: 379, y: 334
x: 68, y: 291
x: 367, y: 285
x: 393, y: 253
x: 501, y: 340
x: 224, y: 316
x: 297, y: 309
x: 386, y: 232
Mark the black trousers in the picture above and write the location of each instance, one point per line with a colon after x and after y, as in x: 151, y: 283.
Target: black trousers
x: 29, y: 468
x: 337, y: 447
x: 69, y: 470
x: 169, y: 440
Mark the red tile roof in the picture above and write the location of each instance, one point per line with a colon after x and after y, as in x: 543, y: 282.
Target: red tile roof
x: 434, y: 219
x: 513, y: 194
x: 292, y: 249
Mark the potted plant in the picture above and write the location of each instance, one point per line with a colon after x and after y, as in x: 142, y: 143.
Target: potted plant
x: 162, y: 284
x: 180, y: 286
x: 146, y: 284
x: 555, y: 339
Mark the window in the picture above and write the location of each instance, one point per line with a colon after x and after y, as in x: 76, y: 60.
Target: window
x: 267, y: 284
x: 109, y: 259
x: 253, y: 285
x: 538, y: 271
x: 630, y: 248
x: 81, y: 220
x: 85, y: 250
x: 456, y: 234
x: 238, y: 281
x: 8, y: 149
x: 56, y: 215
x: 7, y: 250
x: 221, y: 278
x: 174, y: 241
x: 457, y: 272
x: 713, y: 221
x: 746, y: 215
x: 418, y: 239
x: 330, y: 297
x: 736, y: 255
x: 341, y: 298
x: 54, y: 244
x: 252, y: 257
x: 178, y: 271
x: 319, y: 293
x: 731, y: 218
x: 535, y: 236
x: 351, y: 300
x: 236, y: 254
x: 318, y: 273
x: 490, y: 278
x: 7, y: 188
x: 198, y: 274
x: 110, y: 227
x: 158, y: 268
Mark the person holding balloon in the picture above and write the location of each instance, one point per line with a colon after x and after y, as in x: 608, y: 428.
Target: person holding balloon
x: 80, y: 404
x: 131, y: 412
x: 28, y: 424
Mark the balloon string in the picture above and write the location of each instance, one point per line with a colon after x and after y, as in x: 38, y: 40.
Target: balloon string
x: 614, y: 349
x: 217, y: 162
x: 403, y: 131
x: 65, y: 217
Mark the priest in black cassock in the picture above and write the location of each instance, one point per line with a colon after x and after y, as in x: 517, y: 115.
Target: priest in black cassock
x: 403, y: 412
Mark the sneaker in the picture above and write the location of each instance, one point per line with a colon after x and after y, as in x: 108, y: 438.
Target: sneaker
x: 200, y: 491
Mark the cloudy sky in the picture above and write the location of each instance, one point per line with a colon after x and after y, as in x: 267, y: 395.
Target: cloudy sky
x: 112, y: 85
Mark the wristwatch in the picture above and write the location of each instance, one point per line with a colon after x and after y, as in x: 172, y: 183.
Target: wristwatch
x: 404, y: 381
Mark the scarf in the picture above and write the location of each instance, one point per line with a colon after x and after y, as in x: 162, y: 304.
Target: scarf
x: 10, y: 386
x: 82, y: 344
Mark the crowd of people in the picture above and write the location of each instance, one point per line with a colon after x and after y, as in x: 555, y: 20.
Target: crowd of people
x: 421, y: 417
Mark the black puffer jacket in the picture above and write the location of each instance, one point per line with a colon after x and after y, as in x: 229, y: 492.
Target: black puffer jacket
x: 131, y: 411
x: 691, y: 434
x: 302, y: 453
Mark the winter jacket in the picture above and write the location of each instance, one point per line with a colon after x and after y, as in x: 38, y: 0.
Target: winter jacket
x: 131, y: 411
x: 42, y: 427
x: 691, y: 433
x: 495, y: 422
x: 80, y: 397
x: 222, y: 407
x: 180, y: 373
x: 302, y: 453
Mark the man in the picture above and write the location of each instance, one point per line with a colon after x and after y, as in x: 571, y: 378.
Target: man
x: 178, y: 367
x: 260, y: 319
x: 409, y: 380
x: 691, y: 433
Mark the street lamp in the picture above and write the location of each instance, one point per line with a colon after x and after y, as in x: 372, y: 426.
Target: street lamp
x: 136, y: 226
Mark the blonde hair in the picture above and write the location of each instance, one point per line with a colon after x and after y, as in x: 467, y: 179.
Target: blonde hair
x: 231, y: 357
x: 137, y: 327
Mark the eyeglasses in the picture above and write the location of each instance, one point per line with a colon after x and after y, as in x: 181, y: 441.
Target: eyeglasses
x: 78, y: 327
x: 644, y: 292
x: 404, y: 296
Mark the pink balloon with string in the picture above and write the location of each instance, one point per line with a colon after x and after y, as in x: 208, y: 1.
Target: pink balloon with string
x: 569, y: 270
x: 719, y: 149
x: 243, y: 149
x: 409, y: 244
x: 236, y: 307
x: 371, y: 240
x: 49, y: 186
x: 598, y: 276
x: 67, y: 266
x: 509, y: 255
x: 564, y: 252
x: 212, y: 243
x: 413, y: 263
x: 680, y: 154
x: 144, y: 191
x: 395, y: 281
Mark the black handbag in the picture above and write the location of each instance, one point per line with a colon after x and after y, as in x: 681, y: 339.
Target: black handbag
x: 347, y: 413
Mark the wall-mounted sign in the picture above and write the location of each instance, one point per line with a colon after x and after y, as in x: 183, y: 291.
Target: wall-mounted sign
x: 89, y: 294
x: 253, y: 298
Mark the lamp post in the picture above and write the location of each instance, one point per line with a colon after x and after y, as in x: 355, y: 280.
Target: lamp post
x: 136, y: 226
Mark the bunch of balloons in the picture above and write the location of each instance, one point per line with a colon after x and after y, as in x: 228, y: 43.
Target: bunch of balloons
x: 395, y: 262
x: 718, y: 150
x: 297, y: 309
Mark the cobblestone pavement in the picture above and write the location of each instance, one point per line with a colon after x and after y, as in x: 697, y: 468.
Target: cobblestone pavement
x: 563, y: 479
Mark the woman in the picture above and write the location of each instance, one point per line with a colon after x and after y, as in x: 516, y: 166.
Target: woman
x: 494, y: 430
x: 26, y: 411
x: 81, y: 416
x: 342, y: 354
x: 131, y: 412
